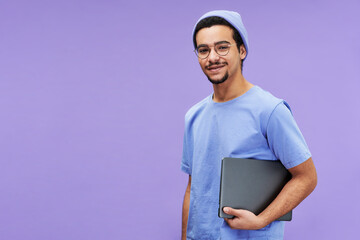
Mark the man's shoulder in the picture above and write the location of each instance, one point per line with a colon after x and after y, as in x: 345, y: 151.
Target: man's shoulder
x: 265, y: 99
x: 263, y: 104
x: 196, y: 109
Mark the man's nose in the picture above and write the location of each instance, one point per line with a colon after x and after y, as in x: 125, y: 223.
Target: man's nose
x: 213, y: 56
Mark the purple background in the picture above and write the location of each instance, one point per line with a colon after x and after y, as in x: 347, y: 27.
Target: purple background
x: 93, y: 96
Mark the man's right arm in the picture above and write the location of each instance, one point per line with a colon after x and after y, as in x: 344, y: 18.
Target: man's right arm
x: 185, y: 210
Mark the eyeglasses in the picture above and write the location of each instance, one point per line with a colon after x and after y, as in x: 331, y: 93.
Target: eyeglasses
x: 221, y: 49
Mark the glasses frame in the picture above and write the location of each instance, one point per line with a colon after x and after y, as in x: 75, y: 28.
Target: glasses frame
x: 229, y: 44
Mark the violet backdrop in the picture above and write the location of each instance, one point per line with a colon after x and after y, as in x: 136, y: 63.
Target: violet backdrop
x: 93, y: 96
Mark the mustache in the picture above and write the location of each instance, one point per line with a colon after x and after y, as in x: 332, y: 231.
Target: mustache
x: 216, y: 63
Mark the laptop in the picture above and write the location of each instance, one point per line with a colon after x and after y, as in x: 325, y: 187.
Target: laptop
x: 251, y: 184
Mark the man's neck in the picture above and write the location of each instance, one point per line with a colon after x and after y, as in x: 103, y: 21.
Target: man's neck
x: 230, y: 89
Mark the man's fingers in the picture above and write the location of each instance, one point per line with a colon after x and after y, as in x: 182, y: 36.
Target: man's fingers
x: 229, y: 222
x: 243, y: 219
x: 235, y: 212
x: 229, y: 210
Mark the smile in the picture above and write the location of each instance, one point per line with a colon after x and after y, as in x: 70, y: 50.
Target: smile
x: 215, y: 68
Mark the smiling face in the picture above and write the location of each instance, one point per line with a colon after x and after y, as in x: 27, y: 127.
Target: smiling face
x: 218, y: 68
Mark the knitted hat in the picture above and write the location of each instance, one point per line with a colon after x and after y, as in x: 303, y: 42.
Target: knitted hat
x: 233, y: 18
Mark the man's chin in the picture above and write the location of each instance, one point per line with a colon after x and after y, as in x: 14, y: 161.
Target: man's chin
x: 223, y: 79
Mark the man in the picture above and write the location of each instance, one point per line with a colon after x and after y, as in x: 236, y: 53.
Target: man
x: 238, y: 120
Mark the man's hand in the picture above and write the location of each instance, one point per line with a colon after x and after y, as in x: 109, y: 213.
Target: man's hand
x: 243, y: 219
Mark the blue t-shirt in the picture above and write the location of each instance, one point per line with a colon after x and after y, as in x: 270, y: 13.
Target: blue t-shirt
x: 254, y: 125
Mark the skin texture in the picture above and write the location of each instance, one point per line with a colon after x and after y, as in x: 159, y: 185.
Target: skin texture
x: 215, y: 67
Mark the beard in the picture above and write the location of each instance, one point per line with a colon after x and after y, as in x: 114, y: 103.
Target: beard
x: 224, y: 78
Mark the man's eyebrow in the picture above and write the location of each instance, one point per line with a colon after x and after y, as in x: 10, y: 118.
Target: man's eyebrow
x: 220, y: 42
x: 202, y: 45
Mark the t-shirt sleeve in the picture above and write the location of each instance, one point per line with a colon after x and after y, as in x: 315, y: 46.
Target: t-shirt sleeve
x: 186, y: 156
x: 284, y: 137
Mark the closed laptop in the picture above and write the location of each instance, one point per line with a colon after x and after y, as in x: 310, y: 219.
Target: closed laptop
x: 251, y: 184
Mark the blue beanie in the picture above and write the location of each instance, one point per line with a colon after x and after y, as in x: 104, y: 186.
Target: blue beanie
x: 234, y: 19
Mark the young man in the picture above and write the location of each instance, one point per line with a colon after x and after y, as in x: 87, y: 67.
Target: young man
x: 237, y: 120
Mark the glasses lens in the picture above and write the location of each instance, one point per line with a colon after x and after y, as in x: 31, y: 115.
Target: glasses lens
x: 203, y: 52
x: 222, y: 49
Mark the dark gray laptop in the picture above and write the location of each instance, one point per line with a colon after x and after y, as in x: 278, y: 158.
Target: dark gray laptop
x: 251, y: 184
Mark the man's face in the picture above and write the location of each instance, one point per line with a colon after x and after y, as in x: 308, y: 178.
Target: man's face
x: 219, y: 68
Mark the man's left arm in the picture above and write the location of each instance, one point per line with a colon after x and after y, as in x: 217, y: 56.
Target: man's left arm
x: 302, y: 183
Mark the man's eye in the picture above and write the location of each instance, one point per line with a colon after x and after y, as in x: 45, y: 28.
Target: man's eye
x: 203, y: 50
x: 223, y: 47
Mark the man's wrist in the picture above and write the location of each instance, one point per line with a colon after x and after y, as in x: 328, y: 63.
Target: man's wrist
x: 263, y: 221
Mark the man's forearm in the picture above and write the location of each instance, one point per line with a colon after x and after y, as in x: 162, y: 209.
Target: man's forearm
x: 185, y: 210
x: 293, y: 193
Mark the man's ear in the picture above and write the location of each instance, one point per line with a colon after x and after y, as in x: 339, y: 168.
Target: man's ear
x: 242, y: 52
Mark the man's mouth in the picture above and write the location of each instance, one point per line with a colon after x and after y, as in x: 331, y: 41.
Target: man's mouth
x: 215, y: 67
